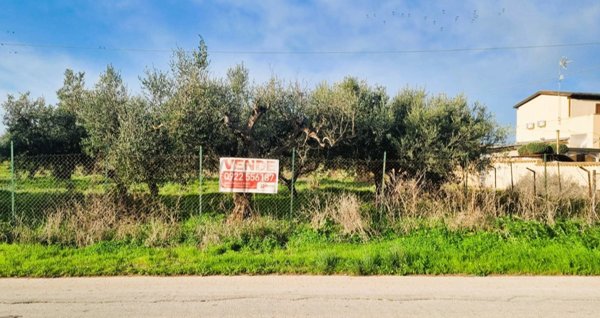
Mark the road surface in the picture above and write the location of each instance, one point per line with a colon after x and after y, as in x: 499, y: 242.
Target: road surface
x: 301, y: 296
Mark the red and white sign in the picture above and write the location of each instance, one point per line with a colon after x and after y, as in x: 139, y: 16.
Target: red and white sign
x: 248, y: 175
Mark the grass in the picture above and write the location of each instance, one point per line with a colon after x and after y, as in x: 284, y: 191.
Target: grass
x: 73, y: 228
x: 511, y: 247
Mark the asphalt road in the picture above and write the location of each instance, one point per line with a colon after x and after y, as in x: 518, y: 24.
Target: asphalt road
x: 301, y: 296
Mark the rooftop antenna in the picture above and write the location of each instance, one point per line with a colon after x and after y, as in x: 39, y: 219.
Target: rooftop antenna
x: 562, y: 65
x: 564, y: 61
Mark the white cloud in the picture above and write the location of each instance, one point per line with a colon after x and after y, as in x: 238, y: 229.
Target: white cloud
x: 39, y: 73
x: 497, y: 78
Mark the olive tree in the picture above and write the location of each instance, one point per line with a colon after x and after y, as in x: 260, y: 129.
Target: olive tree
x: 273, y: 118
x: 423, y: 136
x: 38, y: 129
x: 262, y: 120
x: 435, y: 135
x: 371, y: 125
x: 121, y: 131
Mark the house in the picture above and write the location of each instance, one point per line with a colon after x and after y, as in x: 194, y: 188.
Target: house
x: 573, y: 118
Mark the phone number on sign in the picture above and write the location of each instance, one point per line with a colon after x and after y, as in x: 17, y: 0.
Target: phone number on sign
x: 248, y: 176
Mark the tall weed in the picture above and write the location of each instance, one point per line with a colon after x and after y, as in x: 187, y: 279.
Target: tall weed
x: 343, y: 210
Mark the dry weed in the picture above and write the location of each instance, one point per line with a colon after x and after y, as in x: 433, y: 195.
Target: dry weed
x: 161, y: 232
x: 99, y: 218
x: 404, y: 198
x: 477, y: 208
x: 218, y: 232
x: 343, y: 210
x: 549, y: 200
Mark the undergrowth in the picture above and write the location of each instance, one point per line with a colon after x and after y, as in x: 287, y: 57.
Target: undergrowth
x: 510, y: 247
x: 411, y: 230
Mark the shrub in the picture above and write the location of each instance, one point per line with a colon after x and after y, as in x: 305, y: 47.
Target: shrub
x: 539, y: 148
x: 562, y: 149
x: 535, y: 148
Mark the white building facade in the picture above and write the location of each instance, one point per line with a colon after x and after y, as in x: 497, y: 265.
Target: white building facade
x: 573, y: 117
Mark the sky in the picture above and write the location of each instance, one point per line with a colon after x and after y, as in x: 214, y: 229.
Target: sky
x: 494, y: 52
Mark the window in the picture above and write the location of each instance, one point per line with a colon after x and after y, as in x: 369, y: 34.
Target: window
x: 530, y: 125
x: 541, y: 123
x: 597, y: 109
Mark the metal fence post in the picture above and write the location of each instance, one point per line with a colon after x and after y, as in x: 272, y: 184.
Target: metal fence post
x: 12, y: 180
x: 589, y: 178
x: 593, y: 195
x: 382, y: 182
x: 465, y: 177
x: 200, y: 181
x: 546, y: 176
x: 383, y: 172
x: 534, y: 182
x: 512, y: 183
x: 559, y: 181
x: 293, y: 187
x: 106, y: 170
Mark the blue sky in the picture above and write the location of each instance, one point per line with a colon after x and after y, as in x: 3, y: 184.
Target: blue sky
x: 78, y: 31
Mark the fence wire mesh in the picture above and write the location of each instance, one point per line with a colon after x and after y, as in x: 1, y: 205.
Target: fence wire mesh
x: 182, y: 186
x: 42, y: 185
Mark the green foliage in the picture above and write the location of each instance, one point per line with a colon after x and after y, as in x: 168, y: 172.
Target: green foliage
x: 371, y: 121
x: 186, y: 107
x: 562, y: 148
x: 540, y: 148
x: 424, y: 136
x: 36, y: 128
x: 101, y: 112
x: 511, y: 248
x: 435, y: 135
x: 535, y: 148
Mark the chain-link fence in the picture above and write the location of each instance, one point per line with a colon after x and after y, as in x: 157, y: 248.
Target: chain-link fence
x: 31, y: 187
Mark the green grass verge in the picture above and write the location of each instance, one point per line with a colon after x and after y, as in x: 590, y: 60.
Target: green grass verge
x: 512, y: 247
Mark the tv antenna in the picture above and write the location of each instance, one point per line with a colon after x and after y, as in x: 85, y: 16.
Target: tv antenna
x: 562, y: 65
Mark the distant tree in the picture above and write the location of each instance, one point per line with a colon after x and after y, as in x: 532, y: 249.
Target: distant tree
x: 122, y: 131
x: 433, y: 136
x: 423, y: 136
x: 72, y: 94
x: 38, y: 129
x: 140, y: 152
x: 263, y: 121
x: 101, y: 111
x: 370, y: 123
x: 371, y: 126
x: 190, y: 112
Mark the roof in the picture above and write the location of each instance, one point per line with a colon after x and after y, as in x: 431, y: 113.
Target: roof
x: 575, y: 95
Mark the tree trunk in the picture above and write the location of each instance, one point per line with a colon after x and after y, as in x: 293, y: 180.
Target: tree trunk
x: 121, y: 195
x: 153, y: 190
x: 377, y: 174
x: 242, y: 209
x: 288, y: 183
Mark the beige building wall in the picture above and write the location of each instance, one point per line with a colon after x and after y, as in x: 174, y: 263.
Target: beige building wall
x: 580, y: 131
x: 570, y: 173
x: 582, y: 107
x: 538, y: 120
